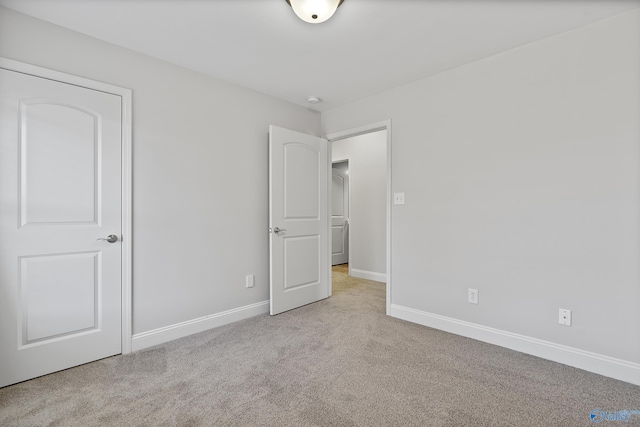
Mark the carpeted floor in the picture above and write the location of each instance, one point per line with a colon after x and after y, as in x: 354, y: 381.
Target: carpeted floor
x: 338, y: 362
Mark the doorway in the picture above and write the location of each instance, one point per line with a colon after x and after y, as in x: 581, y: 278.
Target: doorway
x: 367, y: 152
x: 304, y: 194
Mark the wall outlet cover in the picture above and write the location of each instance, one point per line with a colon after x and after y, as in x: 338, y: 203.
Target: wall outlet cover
x: 473, y: 296
x: 564, y: 317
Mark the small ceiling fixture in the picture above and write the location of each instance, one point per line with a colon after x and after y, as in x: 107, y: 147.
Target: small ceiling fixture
x: 314, y: 11
x: 313, y: 100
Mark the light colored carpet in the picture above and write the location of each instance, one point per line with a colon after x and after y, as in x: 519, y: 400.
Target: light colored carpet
x: 339, y: 362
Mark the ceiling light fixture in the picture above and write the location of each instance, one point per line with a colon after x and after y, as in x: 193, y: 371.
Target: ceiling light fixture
x: 314, y: 11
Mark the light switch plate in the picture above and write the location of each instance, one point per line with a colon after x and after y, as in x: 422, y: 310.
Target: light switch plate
x: 398, y: 198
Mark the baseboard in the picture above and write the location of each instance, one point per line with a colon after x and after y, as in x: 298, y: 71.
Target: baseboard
x: 597, y: 363
x: 368, y: 275
x: 183, y: 329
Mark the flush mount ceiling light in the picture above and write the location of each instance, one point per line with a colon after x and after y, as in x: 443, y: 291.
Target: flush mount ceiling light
x: 314, y: 11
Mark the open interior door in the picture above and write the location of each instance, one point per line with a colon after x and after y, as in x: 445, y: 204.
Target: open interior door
x: 298, y: 219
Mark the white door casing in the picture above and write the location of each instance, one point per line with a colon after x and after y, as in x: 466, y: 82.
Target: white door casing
x: 339, y: 216
x: 299, y: 207
x: 61, y: 182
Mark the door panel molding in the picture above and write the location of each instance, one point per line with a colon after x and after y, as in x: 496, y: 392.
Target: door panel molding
x: 126, y: 173
x: 37, y: 147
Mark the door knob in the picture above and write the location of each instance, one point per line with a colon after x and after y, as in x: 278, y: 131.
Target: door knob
x: 111, y: 238
x: 278, y: 229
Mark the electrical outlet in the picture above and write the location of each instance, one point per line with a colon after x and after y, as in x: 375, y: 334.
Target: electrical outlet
x: 250, y: 281
x: 565, y: 317
x: 473, y: 296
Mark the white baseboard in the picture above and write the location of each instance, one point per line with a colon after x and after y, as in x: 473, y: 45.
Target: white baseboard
x: 183, y: 329
x: 597, y: 363
x: 368, y: 275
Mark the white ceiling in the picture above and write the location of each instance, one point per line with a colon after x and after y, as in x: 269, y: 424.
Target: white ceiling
x: 367, y: 47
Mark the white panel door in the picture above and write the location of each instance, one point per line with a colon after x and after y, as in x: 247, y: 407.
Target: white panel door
x: 339, y: 217
x: 60, y: 192
x: 298, y: 219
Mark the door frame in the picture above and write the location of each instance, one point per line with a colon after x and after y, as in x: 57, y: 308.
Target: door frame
x: 362, y: 130
x: 126, y: 175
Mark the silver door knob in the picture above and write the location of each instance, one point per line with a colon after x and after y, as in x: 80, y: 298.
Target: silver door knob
x: 278, y: 229
x: 111, y: 238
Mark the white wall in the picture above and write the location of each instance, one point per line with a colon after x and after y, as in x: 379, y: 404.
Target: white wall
x: 522, y: 180
x: 367, y: 155
x: 200, y: 215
